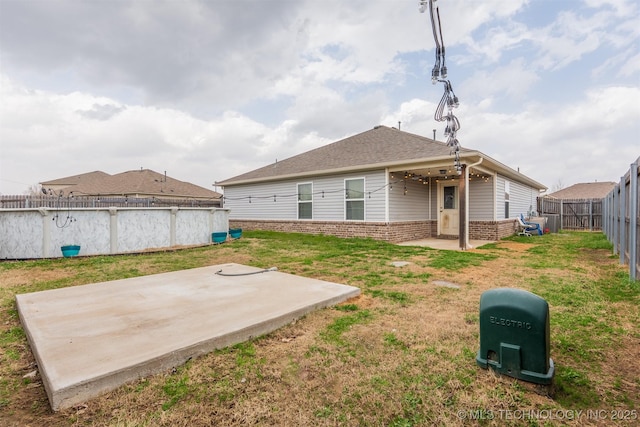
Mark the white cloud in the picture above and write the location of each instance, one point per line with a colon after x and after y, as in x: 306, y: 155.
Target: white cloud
x: 208, y: 90
x: 513, y: 80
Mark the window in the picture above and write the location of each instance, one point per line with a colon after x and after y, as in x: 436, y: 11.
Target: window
x: 507, y: 191
x: 305, y: 201
x: 354, y: 199
x: 450, y: 197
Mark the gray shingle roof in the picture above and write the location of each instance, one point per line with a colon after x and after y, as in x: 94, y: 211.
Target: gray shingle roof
x: 143, y: 182
x: 95, y: 176
x: 585, y: 190
x: 379, y: 146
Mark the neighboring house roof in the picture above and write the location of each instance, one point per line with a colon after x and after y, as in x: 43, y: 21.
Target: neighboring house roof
x: 585, y: 190
x: 380, y: 147
x: 94, y: 176
x: 140, y: 183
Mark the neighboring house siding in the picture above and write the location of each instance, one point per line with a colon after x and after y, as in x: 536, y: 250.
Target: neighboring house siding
x: 409, y: 205
x: 481, y: 200
x: 329, y: 206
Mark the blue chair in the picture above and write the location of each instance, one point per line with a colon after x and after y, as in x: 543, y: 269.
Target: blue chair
x: 531, y: 225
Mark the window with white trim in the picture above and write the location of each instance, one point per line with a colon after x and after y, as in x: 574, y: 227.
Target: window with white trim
x: 507, y: 195
x: 354, y: 199
x: 305, y: 201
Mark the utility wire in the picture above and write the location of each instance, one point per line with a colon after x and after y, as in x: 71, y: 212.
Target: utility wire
x: 449, y: 100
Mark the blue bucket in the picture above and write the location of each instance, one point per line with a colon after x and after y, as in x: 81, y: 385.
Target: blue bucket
x: 70, y: 250
x: 235, y: 233
x: 219, y: 237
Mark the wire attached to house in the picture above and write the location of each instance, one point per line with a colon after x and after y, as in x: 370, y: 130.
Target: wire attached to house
x: 274, y: 197
x: 407, y: 176
x: 449, y: 99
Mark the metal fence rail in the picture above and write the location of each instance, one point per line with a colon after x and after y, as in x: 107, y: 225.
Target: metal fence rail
x: 622, y: 219
x: 66, y: 202
x: 575, y: 214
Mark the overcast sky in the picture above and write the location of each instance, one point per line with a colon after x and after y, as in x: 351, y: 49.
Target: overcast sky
x: 206, y: 90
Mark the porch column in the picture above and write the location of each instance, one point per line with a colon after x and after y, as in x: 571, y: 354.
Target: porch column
x: 462, y: 197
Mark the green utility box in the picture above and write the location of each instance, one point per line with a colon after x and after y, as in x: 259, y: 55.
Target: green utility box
x: 514, y: 335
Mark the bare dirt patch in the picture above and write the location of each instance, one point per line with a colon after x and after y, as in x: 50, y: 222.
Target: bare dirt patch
x: 17, y: 278
x: 399, y: 362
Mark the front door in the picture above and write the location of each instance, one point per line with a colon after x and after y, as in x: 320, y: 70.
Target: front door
x: 448, y: 220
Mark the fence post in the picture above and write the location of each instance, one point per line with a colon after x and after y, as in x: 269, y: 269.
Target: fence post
x: 113, y: 230
x: 623, y: 220
x: 614, y: 228
x: 603, y: 212
x: 172, y: 226
x: 46, y: 232
x: 609, y: 214
x: 633, y: 220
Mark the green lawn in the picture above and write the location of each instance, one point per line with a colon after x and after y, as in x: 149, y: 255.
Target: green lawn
x: 401, y: 354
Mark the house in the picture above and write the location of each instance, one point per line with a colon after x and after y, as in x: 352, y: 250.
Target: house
x: 585, y: 190
x: 578, y: 207
x: 134, y: 184
x: 386, y: 184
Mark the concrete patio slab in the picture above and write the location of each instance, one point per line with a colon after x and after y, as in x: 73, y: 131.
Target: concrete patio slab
x: 90, y: 339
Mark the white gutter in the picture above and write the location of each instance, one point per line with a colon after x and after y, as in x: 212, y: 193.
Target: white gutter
x: 467, y: 245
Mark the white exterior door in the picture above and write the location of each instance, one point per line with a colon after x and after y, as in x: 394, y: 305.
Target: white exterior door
x: 449, y: 214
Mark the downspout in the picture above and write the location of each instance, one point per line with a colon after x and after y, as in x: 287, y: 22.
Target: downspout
x: 386, y: 194
x: 467, y: 245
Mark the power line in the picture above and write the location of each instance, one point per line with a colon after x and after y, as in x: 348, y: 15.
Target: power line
x: 449, y: 100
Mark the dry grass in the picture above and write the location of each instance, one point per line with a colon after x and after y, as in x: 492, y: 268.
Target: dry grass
x: 403, y: 353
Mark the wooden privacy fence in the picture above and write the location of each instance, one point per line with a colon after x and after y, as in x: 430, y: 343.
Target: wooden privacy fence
x: 622, y: 219
x: 65, y: 202
x: 575, y: 214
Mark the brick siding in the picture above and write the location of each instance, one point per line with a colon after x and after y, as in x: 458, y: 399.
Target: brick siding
x: 393, y: 232
x: 492, y: 230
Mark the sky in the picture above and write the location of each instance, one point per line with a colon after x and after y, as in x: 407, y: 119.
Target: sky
x: 207, y: 90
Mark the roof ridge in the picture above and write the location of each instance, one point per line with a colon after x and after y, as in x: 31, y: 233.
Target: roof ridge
x: 378, y: 146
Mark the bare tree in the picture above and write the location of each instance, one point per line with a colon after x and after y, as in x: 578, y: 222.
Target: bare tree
x: 34, y: 190
x: 559, y: 185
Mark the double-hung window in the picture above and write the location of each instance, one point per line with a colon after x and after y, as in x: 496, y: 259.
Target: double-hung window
x: 354, y: 199
x: 305, y: 201
x: 507, y: 193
